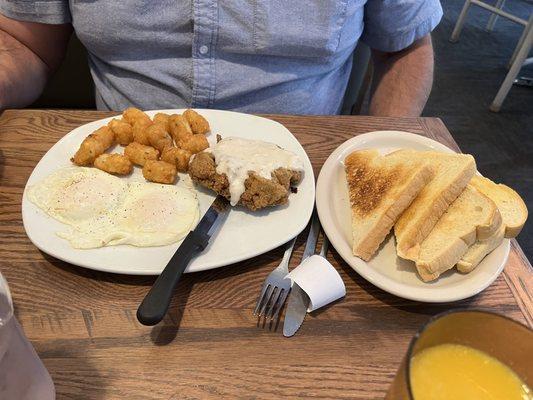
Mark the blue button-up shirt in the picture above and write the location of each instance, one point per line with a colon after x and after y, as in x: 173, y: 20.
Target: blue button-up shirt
x: 272, y: 56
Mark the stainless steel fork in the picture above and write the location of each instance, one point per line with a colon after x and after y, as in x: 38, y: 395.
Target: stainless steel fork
x: 276, y: 288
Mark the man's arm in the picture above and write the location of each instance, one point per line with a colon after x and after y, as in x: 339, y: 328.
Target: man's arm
x: 29, y: 54
x: 402, y: 81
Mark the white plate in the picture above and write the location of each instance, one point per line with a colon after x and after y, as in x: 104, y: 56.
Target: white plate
x: 244, y: 234
x: 386, y: 270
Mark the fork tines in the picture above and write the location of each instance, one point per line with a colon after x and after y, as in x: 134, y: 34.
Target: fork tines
x: 270, y: 301
x: 276, y: 288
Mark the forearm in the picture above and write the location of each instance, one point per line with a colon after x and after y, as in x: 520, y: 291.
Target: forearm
x: 402, y: 81
x: 23, y: 74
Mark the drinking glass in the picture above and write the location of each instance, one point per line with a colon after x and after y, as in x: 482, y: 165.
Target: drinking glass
x: 22, y: 374
x: 500, y: 337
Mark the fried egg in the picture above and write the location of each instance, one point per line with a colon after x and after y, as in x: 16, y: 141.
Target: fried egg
x: 115, y: 212
x: 75, y: 194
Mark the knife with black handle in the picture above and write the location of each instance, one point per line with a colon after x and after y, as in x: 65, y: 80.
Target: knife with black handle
x: 155, y: 305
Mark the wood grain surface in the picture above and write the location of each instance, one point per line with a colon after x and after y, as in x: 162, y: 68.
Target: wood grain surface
x: 82, y: 323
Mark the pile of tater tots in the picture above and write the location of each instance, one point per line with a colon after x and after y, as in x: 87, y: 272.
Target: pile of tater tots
x: 162, y: 146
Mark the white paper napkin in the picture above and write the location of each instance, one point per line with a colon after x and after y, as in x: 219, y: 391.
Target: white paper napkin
x: 320, y: 280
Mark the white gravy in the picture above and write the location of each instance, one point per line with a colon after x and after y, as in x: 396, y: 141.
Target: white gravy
x: 237, y: 157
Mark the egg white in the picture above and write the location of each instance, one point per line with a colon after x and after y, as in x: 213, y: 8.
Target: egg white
x: 107, y: 212
x: 74, y: 194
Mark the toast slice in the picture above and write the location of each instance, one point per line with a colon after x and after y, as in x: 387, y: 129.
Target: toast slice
x: 470, y: 217
x: 514, y: 214
x: 381, y: 188
x: 479, y: 250
x: 452, y: 172
x: 511, y: 206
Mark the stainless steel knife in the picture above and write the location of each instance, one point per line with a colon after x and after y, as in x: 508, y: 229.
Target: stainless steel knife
x: 298, y: 299
x: 154, y: 306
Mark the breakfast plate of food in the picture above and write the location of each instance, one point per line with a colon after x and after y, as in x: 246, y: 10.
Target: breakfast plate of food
x: 120, y: 194
x: 415, y: 218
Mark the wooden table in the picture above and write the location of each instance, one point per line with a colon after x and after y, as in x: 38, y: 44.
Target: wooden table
x: 83, y: 323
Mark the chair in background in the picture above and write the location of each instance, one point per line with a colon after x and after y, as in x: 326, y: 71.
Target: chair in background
x: 520, y: 60
x: 519, y: 57
x: 493, y: 17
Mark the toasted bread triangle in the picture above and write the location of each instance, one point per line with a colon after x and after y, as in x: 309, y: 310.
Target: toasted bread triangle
x: 511, y: 206
x: 381, y: 188
x: 452, y: 172
x: 514, y: 215
x: 470, y: 217
x: 479, y: 250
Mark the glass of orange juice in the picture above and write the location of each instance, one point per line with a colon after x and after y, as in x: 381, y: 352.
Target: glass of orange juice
x: 468, y: 354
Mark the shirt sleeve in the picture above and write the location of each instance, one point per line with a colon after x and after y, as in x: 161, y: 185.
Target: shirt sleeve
x: 43, y: 11
x: 393, y: 25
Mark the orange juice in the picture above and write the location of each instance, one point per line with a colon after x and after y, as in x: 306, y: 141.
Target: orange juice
x: 456, y: 372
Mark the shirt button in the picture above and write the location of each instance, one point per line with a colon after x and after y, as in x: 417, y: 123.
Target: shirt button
x: 204, y: 49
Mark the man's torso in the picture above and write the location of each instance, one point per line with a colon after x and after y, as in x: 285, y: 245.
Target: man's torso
x: 257, y: 56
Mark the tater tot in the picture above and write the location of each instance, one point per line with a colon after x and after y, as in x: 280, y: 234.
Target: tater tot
x: 162, y: 118
x: 93, y: 145
x: 159, y: 171
x: 122, y: 130
x: 132, y: 115
x: 179, y: 157
x: 158, y: 136
x: 114, y: 164
x: 139, y: 132
x: 89, y: 149
x: 198, y: 123
x: 139, y: 153
x: 195, y: 144
x: 179, y: 128
x: 105, y: 136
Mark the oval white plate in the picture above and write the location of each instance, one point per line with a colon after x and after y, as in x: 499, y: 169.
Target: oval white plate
x: 385, y: 269
x: 244, y: 234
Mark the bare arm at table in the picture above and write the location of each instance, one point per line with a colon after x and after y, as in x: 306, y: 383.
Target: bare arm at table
x: 402, y: 80
x: 30, y: 52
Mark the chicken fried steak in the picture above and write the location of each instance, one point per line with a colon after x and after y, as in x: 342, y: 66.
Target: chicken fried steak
x: 259, y: 192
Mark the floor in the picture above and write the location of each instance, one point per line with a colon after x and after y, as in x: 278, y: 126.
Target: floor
x: 467, y: 77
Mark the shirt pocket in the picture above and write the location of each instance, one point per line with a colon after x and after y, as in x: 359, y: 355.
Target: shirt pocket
x: 298, y: 28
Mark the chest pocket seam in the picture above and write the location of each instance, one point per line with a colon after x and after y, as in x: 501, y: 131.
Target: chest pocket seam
x: 325, y: 50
